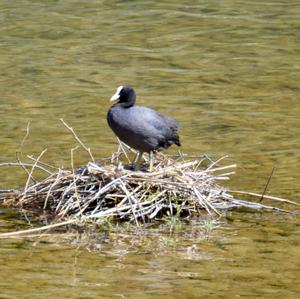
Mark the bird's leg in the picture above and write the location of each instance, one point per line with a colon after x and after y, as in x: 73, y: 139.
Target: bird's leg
x: 138, y: 160
x: 150, y: 161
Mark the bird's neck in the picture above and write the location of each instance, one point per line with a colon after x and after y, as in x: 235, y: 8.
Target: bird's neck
x: 126, y: 104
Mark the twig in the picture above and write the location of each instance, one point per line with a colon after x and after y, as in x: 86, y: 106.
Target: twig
x: 24, y: 168
x: 130, y: 197
x: 31, y: 172
x: 219, y: 168
x: 4, y: 164
x: 268, y: 182
x: 77, y: 139
x: 35, y: 230
x: 25, y: 137
x: 20, y: 150
x: 266, y: 196
x: 121, y: 146
x: 216, y: 162
x: 74, y: 180
x: 43, y: 163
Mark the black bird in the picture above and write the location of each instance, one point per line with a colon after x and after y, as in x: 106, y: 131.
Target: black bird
x: 141, y: 128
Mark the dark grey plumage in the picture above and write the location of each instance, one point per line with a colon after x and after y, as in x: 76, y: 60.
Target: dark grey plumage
x: 139, y: 127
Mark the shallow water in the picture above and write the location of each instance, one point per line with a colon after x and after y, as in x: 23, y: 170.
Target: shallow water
x: 228, y: 71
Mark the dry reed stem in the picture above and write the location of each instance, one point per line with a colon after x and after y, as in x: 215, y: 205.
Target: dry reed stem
x: 26, y: 232
x: 6, y: 164
x: 22, y: 165
x: 26, y: 135
x: 31, y: 172
x: 275, y: 198
x: 43, y: 164
x: 122, y: 148
x: 74, y: 179
x: 78, y: 139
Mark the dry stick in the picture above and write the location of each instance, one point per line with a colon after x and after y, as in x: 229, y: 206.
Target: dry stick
x: 226, y: 174
x: 20, y: 151
x: 34, y: 191
x: 223, y: 176
x: 157, y: 207
x: 77, y: 139
x: 268, y: 182
x: 74, y: 180
x: 25, y: 164
x: 219, y: 168
x: 256, y: 205
x: 24, y: 168
x: 26, y: 135
x: 171, y: 168
x: 147, y: 210
x: 62, y: 208
x: 207, y: 205
x: 44, y: 185
x: 31, y: 172
x: 107, y: 186
x: 37, y: 229
x: 42, y: 163
x: 216, y: 162
x: 122, y: 145
x: 14, y: 191
x: 115, y: 156
x: 126, y: 196
x: 50, y: 189
x: 111, y: 211
x: 130, y: 197
x: 265, y: 196
x: 100, y: 214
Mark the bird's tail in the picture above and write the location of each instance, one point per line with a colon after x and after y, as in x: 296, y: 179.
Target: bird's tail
x: 177, y: 141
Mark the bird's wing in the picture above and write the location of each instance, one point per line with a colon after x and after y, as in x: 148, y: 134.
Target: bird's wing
x: 153, y: 120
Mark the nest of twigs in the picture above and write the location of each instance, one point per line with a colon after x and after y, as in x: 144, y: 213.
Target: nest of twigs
x: 99, y: 190
x: 174, y: 187
x: 178, y: 186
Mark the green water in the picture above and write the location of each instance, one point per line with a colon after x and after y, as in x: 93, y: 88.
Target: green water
x: 228, y: 71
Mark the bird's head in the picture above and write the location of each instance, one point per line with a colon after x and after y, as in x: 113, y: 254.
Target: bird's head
x: 125, y: 95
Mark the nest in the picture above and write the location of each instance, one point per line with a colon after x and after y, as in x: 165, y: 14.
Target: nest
x: 175, y: 187
x: 178, y: 186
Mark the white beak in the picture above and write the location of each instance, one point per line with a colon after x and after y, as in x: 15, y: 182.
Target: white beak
x: 116, y: 96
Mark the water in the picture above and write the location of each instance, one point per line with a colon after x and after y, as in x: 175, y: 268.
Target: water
x: 227, y: 71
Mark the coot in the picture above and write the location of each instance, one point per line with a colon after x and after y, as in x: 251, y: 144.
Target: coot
x: 141, y: 128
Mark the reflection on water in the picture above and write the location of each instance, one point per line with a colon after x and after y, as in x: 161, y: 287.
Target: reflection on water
x: 227, y: 70
x: 244, y: 257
